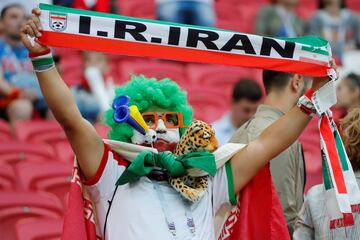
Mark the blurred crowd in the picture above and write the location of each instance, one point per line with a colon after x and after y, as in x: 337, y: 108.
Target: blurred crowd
x: 251, y: 103
x: 20, y: 97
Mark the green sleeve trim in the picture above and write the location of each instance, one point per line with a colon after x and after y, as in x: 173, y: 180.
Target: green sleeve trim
x: 230, y: 180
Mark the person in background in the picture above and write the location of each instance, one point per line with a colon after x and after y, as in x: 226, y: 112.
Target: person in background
x: 19, y: 90
x: 93, y: 96
x: 246, y: 97
x: 288, y: 168
x: 27, y: 5
x: 334, y: 22
x: 312, y: 222
x: 279, y: 20
x: 348, y: 92
x: 194, y: 12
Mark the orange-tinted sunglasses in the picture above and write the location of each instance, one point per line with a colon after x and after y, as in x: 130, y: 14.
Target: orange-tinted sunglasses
x: 170, y: 119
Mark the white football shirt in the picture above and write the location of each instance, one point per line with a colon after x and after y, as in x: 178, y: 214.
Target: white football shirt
x: 137, y: 212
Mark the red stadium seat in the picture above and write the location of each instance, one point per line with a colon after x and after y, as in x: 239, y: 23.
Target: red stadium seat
x: 229, y: 25
x: 305, y: 12
x: 16, y: 151
x: 226, y: 11
x: 15, y: 206
x: 247, y: 17
x: 39, y: 131
x: 354, y: 5
x: 215, y: 76
x: 5, y: 133
x: 64, y: 151
x: 208, y: 103
x: 102, y: 130
x: 158, y: 69
x: 48, y: 229
x: 51, y: 177
x: 140, y: 9
x: 7, y: 177
x: 71, y: 65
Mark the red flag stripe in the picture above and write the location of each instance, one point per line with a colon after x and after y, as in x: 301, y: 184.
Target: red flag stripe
x: 113, y: 46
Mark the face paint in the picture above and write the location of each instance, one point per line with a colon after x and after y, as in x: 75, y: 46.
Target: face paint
x: 167, y: 138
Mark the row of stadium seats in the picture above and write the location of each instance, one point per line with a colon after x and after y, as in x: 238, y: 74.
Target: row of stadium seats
x: 236, y: 15
x: 184, y: 74
x: 30, y: 215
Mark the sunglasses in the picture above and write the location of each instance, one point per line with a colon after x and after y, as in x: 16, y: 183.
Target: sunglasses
x: 170, y: 119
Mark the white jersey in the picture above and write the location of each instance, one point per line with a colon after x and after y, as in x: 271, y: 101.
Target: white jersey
x: 137, y: 212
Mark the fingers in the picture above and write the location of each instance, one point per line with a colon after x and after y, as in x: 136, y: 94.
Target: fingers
x: 36, y: 11
x: 37, y: 22
x: 32, y: 27
x: 27, y: 29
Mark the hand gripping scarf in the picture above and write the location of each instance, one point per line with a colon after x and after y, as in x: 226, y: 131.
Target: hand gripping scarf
x: 87, y: 30
x: 342, y: 193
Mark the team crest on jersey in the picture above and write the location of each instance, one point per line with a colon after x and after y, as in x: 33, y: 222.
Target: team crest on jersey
x: 58, y: 21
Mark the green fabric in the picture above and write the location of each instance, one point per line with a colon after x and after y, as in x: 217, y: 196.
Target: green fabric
x: 146, y: 161
x: 42, y: 62
x: 231, y: 187
x: 314, y: 44
x: 341, y: 152
x: 328, y: 184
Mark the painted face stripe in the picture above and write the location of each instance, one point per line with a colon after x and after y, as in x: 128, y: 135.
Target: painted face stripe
x: 57, y: 39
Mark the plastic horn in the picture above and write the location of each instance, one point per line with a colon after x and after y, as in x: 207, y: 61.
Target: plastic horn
x: 122, y: 115
x: 121, y: 101
x: 135, y: 115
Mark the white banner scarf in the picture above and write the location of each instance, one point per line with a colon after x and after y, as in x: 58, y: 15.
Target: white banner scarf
x: 87, y: 30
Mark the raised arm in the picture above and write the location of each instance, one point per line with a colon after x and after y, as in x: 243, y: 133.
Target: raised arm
x: 82, y: 136
x: 275, y: 139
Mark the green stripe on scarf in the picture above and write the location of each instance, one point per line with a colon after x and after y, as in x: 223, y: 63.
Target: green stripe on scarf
x: 341, y: 151
x: 326, y: 173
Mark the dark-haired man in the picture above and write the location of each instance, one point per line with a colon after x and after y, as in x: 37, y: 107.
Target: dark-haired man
x: 246, y: 97
x: 348, y: 92
x: 19, y: 90
x: 288, y: 168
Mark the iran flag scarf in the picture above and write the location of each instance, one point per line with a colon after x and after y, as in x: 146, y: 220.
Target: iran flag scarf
x: 87, y: 30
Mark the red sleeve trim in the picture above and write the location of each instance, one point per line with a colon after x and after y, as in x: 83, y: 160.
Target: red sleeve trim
x: 93, y: 180
x: 120, y: 160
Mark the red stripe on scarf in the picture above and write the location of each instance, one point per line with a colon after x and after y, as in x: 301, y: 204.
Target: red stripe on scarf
x: 123, y: 47
x: 347, y: 220
x: 329, y: 140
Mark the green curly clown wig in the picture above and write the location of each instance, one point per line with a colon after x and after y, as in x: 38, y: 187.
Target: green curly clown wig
x: 148, y: 93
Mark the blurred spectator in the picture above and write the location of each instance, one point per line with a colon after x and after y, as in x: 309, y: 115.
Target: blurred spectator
x: 334, y: 22
x: 246, y: 97
x: 194, y: 12
x: 287, y: 169
x: 28, y: 5
x: 279, y: 20
x: 312, y: 222
x: 348, y: 92
x: 19, y: 89
x: 94, y: 94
